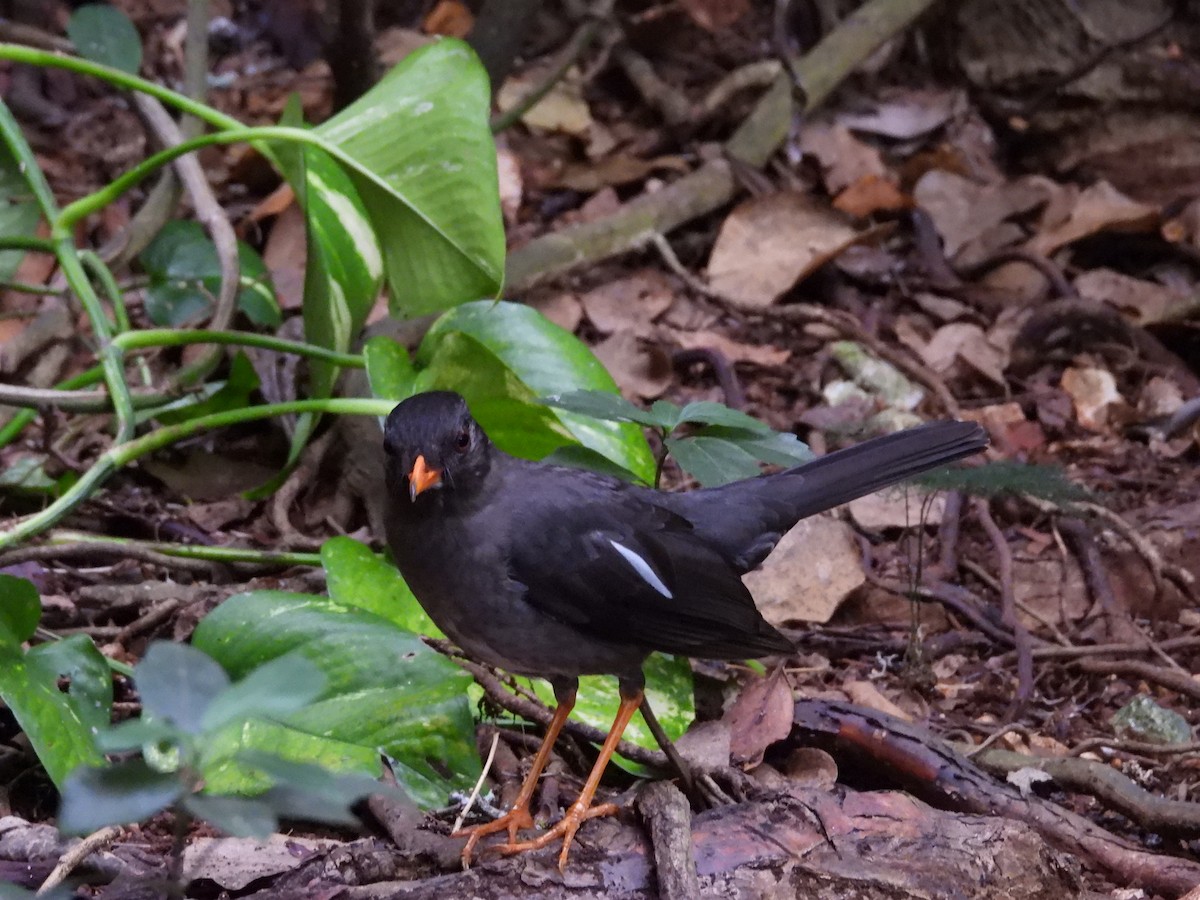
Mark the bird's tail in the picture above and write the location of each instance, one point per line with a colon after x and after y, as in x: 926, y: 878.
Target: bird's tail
x: 746, y: 519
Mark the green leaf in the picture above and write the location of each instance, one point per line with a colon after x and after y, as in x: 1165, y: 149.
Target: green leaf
x: 237, y: 816
x: 307, y: 791
x: 90, y: 687
x: 60, y: 726
x: 129, y: 791
x: 133, y: 734
x: 104, y: 34
x: 357, y: 577
x: 185, y: 275
x: 429, y: 177
x: 390, y: 371
x: 781, y: 448
x: 603, y: 405
x: 527, y: 357
x: 668, y: 688
x: 178, y: 683
x: 20, y: 610
x: 577, y: 457
x: 18, y: 213
x: 705, y: 412
x: 272, y: 691
x: 713, y: 461
x: 386, y: 690
x: 26, y: 474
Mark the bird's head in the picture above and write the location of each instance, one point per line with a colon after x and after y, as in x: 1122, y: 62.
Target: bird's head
x: 434, y: 450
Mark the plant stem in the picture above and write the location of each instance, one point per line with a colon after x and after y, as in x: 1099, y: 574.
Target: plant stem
x: 17, y: 423
x: 167, y: 337
x: 122, y: 454
x: 193, y: 551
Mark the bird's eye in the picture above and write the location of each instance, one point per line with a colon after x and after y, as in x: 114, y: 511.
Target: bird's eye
x: 463, y: 441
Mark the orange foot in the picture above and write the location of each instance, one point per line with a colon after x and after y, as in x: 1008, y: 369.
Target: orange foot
x: 578, y: 813
x: 512, y: 821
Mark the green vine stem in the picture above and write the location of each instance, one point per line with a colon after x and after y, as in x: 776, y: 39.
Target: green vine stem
x: 18, y: 423
x: 122, y: 454
x: 166, y: 337
x: 192, y: 551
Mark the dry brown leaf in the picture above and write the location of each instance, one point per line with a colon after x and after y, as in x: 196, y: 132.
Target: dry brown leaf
x: 705, y: 745
x: 896, y: 508
x: 563, y: 308
x: 640, y: 370
x: 1010, y: 430
x: 1144, y: 302
x: 1051, y: 589
x: 620, y: 168
x: 811, y: 767
x: 450, y: 18
x: 1100, y: 207
x: 714, y: 15
x: 843, y: 158
x: 631, y: 303
x: 966, y: 342
x: 768, y: 244
x: 866, y: 694
x: 760, y: 716
x: 809, y: 574
x: 562, y: 109
x: 869, y: 195
x: 735, y: 351
x: 1160, y: 397
x: 972, y: 216
x: 1098, y: 403
x: 285, y: 256
x: 512, y: 188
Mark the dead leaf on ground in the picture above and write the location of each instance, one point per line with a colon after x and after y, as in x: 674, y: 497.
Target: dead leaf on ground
x: 562, y: 308
x: 618, y: 169
x: 897, y: 508
x: 285, y: 256
x: 1099, y: 208
x: 903, y: 114
x: 1145, y: 302
x: 1011, y: 432
x: 864, y: 693
x: 1049, y: 590
x: 760, y: 716
x: 705, y: 745
x: 811, y: 767
x: 631, y: 303
x: 640, y: 369
x: 843, y: 158
x: 512, y: 188
x: 869, y: 195
x: 562, y: 109
x: 1099, y: 406
x: 233, y: 863
x: 735, y: 351
x: 449, y: 18
x: 768, y: 244
x: 809, y: 574
x: 973, y: 217
x: 714, y: 15
x: 965, y: 342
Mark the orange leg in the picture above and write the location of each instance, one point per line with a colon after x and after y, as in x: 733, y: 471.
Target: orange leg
x: 582, y: 810
x: 518, y: 817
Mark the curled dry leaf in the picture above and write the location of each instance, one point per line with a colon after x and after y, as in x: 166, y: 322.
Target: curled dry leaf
x: 843, y: 158
x: 904, y: 114
x: 962, y: 341
x: 233, y: 863
x: 631, y: 303
x: 1011, y: 432
x: 811, y: 571
x: 735, y: 351
x: 562, y: 308
x: 562, y: 109
x: 972, y: 218
x: 640, y: 369
x: 1098, y: 208
x: 864, y: 693
x: 705, y: 745
x: 1098, y: 404
x: 768, y: 244
x: 449, y: 18
x: 760, y: 716
x: 1145, y: 302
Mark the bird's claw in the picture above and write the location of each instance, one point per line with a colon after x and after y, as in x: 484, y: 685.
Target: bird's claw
x: 512, y: 821
x: 566, y: 827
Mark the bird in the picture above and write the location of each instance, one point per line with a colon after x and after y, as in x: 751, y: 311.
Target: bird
x: 555, y: 572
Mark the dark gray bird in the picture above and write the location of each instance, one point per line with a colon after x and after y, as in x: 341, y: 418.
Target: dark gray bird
x: 556, y: 572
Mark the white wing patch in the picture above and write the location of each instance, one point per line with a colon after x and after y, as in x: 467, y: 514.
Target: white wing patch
x: 643, y: 569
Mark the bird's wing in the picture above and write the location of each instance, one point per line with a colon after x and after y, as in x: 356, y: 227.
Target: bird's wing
x: 619, y: 567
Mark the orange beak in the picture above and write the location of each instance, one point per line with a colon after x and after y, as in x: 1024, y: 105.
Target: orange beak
x: 422, y: 478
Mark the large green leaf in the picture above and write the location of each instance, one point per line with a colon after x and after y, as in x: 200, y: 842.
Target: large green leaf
x: 668, y: 689
x: 18, y: 212
x: 104, y: 34
x: 60, y: 726
x: 386, y: 690
x: 502, y: 357
x: 357, y: 577
x: 429, y: 177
